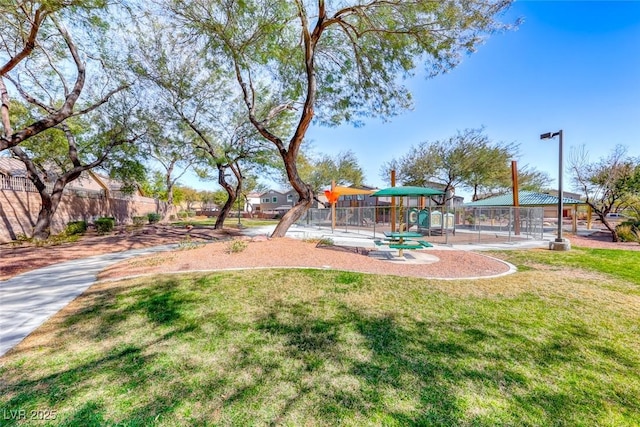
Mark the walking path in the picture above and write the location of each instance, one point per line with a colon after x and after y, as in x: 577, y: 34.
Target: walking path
x: 29, y: 299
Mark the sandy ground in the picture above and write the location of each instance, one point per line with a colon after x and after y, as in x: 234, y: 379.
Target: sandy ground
x: 269, y: 253
x: 286, y: 252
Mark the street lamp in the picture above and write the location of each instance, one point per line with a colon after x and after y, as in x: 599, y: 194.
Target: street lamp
x: 560, y: 243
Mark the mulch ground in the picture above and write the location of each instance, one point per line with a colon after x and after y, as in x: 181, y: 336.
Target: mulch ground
x: 18, y: 259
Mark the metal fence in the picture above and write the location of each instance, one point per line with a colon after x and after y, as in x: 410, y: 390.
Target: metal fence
x: 440, y: 225
x: 16, y: 183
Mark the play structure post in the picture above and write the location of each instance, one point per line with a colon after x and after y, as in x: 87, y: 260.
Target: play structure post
x: 333, y: 207
x: 393, y: 202
x: 516, y: 197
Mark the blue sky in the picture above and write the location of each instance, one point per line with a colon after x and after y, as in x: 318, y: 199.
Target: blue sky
x: 571, y: 65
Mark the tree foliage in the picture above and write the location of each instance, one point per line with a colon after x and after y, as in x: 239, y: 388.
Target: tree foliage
x: 319, y: 170
x: 468, y: 160
x: 611, y: 184
x: 59, y: 155
x: 198, y: 115
x: 332, y: 62
x: 41, y: 59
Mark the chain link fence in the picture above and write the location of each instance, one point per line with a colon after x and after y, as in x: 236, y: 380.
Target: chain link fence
x: 440, y: 225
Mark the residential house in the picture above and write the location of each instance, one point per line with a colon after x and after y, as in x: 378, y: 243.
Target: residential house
x: 273, y: 201
x: 358, y: 200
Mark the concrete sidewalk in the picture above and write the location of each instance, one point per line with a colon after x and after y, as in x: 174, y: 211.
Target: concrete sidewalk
x: 29, y: 299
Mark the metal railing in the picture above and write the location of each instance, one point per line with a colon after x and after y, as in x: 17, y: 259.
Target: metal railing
x: 438, y: 224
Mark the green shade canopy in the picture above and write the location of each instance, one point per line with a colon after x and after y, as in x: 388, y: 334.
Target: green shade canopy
x: 407, y: 191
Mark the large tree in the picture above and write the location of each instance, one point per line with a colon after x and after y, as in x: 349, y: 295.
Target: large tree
x: 469, y: 160
x: 58, y: 156
x: 610, y: 184
x: 192, y: 94
x: 332, y: 62
x: 167, y: 145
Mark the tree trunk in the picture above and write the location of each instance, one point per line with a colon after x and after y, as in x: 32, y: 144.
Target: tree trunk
x: 305, y: 194
x: 230, y: 200
x: 291, y: 217
x: 42, y: 229
x: 167, y: 208
x: 614, y: 233
x: 225, y: 211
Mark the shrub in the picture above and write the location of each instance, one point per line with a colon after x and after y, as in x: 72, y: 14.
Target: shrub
x: 236, y: 246
x: 20, y: 239
x: 154, y: 217
x: 105, y: 225
x: 75, y: 227
x: 188, y: 243
x: 59, y: 239
x: 628, y: 231
x: 139, y: 221
x: 182, y: 215
x: 191, y: 214
x: 320, y: 241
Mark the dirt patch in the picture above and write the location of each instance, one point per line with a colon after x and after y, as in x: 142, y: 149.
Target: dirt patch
x: 601, y: 240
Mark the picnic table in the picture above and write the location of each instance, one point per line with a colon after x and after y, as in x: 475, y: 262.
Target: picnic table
x: 402, y: 240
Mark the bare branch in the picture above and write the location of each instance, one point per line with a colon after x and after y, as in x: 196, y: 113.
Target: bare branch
x: 30, y: 42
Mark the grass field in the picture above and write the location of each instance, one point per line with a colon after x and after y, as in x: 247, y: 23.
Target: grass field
x: 230, y: 222
x: 554, y: 344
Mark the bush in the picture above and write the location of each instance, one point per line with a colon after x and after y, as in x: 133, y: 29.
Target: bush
x: 139, y: 221
x: 182, y: 215
x: 236, y: 246
x: 191, y: 214
x: 105, y: 225
x: 628, y: 231
x: 153, y: 217
x: 75, y: 227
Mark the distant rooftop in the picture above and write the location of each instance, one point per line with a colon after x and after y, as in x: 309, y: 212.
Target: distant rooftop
x: 525, y: 198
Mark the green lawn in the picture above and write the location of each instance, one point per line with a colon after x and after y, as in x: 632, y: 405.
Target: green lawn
x: 555, y: 344
x: 230, y: 222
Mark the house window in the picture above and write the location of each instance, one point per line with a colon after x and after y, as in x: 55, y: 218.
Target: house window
x: 265, y: 200
x: 274, y: 200
x: 289, y: 197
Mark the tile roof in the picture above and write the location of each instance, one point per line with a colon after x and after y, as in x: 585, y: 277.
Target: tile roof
x: 12, y: 167
x: 525, y: 198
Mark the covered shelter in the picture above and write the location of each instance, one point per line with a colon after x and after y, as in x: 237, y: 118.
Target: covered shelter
x: 534, y: 199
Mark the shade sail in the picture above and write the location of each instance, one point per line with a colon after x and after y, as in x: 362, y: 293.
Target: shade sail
x: 407, y: 191
x: 349, y: 191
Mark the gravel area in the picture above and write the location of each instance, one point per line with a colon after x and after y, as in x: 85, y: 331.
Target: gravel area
x: 286, y: 252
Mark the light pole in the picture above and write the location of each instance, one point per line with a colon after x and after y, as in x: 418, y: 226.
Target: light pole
x: 560, y: 244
